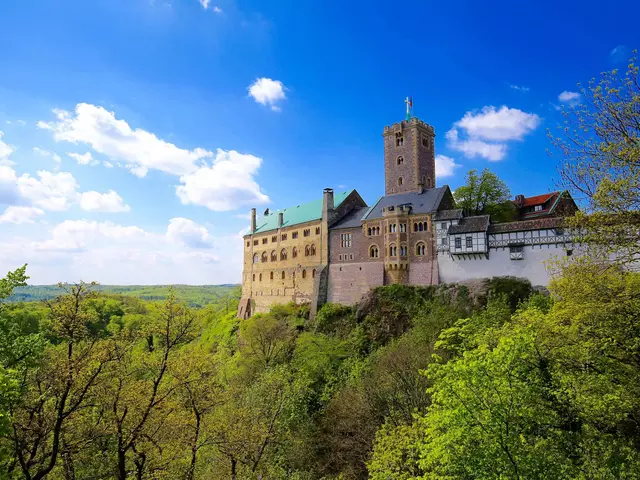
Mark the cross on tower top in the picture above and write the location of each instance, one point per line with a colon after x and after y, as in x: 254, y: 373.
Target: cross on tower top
x: 409, y: 102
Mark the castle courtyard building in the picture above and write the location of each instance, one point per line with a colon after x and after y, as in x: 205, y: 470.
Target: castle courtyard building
x: 337, y: 248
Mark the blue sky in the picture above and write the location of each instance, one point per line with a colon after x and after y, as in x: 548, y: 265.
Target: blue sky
x: 133, y: 144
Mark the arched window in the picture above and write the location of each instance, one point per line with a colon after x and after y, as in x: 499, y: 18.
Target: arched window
x: 313, y: 249
x: 306, y: 251
x: 369, y: 231
x: 283, y: 275
x: 256, y: 258
x: 424, y: 180
x: 265, y: 257
x: 271, y: 276
x: 373, y: 251
x: 425, y: 226
x: 420, y: 227
x: 393, y: 251
x: 283, y: 254
x: 377, y: 230
x: 421, y: 249
x: 400, y: 160
x: 403, y: 250
x: 429, y: 182
x: 304, y: 274
x: 294, y: 252
x: 415, y: 226
x: 274, y: 256
x: 254, y: 277
x: 313, y: 273
x: 399, y: 181
x: 260, y: 277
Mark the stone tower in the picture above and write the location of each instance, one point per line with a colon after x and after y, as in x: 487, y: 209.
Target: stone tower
x: 409, y: 157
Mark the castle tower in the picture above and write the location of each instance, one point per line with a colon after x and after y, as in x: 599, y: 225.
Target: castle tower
x: 409, y: 156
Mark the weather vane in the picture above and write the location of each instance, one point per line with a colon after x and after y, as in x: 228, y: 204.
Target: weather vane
x: 409, y: 102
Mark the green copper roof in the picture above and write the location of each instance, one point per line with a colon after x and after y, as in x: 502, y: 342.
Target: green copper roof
x: 305, y: 212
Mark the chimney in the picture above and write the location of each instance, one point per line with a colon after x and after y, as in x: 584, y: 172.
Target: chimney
x: 280, y: 219
x: 327, y: 203
x: 253, y: 220
x: 519, y: 201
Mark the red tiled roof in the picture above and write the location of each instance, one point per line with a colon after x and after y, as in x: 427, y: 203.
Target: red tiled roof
x: 538, y: 199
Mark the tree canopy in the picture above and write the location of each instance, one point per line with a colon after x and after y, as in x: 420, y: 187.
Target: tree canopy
x: 485, y: 194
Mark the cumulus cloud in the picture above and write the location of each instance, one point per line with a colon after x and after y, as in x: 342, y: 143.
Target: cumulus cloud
x: 18, y: 215
x: 445, y: 166
x: 46, y: 153
x: 141, y: 150
x: 570, y: 98
x: 519, y: 88
x: 217, y: 10
x: 188, y: 233
x: 76, y: 235
x: 205, y: 3
x: 54, y: 191
x: 83, y: 159
x: 268, y: 92
x: 109, y: 202
x: 485, y: 133
x: 5, y: 151
x: 228, y: 184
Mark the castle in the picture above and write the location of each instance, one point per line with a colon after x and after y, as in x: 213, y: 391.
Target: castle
x: 337, y: 248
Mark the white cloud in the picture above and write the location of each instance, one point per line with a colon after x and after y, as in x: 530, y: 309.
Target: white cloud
x: 109, y: 202
x: 205, y: 3
x: 570, y: 98
x: 141, y: 150
x: 108, y: 164
x: 74, y: 235
x: 445, y: 166
x: 51, y: 191
x: 21, y: 123
x: 188, y: 233
x: 5, y: 151
x: 45, y: 153
x: 487, y: 131
x: 15, y: 214
x: 217, y: 9
x: 54, y: 191
x: 267, y: 92
x: 520, y: 88
x: 227, y: 185
x: 83, y: 159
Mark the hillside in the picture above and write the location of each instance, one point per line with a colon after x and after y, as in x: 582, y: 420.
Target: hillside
x: 195, y: 295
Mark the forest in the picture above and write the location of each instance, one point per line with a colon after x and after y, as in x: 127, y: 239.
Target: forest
x: 491, y: 379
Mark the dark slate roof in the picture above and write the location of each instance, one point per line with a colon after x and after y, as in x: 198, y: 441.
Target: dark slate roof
x: 449, y: 214
x: 353, y: 219
x: 537, y: 224
x: 425, y: 202
x: 471, y: 224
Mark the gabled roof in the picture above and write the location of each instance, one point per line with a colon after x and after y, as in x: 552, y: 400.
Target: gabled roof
x: 426, y: 202
x: 353, y: 219
x: 479, y: 223
x: 455, y: 214
x: 538, y: 199
x: 526, y: 225
x: 305, y: 212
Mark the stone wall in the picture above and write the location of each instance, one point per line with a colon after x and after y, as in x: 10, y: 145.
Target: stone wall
x: 349, y: 282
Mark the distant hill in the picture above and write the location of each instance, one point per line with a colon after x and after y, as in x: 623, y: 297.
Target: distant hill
x: 196, y: 295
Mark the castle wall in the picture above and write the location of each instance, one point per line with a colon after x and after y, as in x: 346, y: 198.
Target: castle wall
x: 452, y: 268
x: 350, y: 281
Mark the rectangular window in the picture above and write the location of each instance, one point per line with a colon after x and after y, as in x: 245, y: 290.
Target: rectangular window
x: 458, y: 242
x: 351, y: 256
x: 306, y: 232
x: 274, y: 239
x: 340, y: 257
x: 345, y: 240
x: 264, y: 240
x: 317, y: 230
x: 469, y: 241
x: 443, y: 225
x: 444, y: 240
x: 283, y: 236
x: 537, y: 208
x: 516, y: 252
x: 255, y: 242
x: 294, y: 235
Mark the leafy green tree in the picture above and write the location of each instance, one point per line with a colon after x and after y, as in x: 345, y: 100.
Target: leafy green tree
x: 599, y: 142
x: 484, y: 194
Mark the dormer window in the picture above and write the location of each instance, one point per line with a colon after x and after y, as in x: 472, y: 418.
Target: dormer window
x: 537, y: 208
x: 399, y: 139
x: 400, y: 160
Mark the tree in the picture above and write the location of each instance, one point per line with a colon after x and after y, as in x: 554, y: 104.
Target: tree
x: 484, y: 194
x: 599, y: 142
